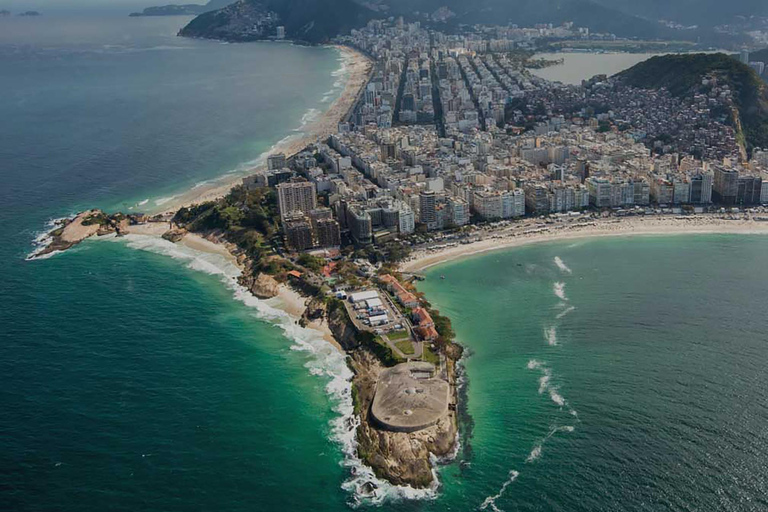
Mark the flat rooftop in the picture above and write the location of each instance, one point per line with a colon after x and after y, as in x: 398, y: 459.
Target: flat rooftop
x: 408, y: 398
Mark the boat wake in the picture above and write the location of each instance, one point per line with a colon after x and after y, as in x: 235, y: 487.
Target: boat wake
x: 323, y: 360
x: 565, y: 312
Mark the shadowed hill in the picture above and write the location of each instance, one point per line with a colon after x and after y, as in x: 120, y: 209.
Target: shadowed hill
x: 682, y: 76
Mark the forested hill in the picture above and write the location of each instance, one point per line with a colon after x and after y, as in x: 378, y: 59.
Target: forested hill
x: 310, y: 21
x: 683, y: 74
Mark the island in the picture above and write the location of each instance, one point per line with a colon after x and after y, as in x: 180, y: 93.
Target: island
x: 4, y: 13
x: 444, y: 145
x: 182, y: 10
x: 30, y: 13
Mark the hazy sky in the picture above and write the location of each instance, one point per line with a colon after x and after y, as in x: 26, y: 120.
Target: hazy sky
x: 53, y: 6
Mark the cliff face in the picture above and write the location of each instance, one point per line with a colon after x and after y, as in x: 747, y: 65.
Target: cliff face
x: 310, y: 21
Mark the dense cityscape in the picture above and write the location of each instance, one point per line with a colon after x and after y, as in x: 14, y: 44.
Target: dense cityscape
x: 454, y: 130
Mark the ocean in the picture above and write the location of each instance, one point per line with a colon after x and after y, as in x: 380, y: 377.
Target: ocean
x: 613, y: 374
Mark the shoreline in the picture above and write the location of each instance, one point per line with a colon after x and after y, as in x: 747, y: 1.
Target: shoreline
x: 626, y: 227
x: 355, y: 64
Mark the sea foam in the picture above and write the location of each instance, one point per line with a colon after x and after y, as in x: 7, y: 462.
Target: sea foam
x: 559, y: 289
x: 324, y: 361
x: 551, y: 335
x: 545, y: 383
x: 562, y: 266
x: 490, y: 501
x: 565, y: 312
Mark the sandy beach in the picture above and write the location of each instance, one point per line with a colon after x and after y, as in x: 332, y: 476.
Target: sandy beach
x: 526, y: 233
x: 358, y: 68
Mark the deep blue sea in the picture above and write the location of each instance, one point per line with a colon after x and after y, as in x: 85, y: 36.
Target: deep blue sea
x: 621, y: 374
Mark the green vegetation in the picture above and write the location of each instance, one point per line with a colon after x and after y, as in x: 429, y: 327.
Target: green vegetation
x: 310, y: 262
x: 406, y: 347
x: 399, y: 335
x: 247, y: 218
x: 431, y: 356
x: 380, y: 349
x: 682, y: 75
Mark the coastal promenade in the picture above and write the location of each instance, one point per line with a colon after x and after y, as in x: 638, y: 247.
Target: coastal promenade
x: 531, y: 231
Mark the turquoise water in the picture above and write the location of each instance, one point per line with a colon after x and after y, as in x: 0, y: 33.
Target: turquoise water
x: 135, y: 375
x: 647, y: 395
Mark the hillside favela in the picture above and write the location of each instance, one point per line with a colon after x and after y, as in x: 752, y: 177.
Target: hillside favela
x: 386, y: 254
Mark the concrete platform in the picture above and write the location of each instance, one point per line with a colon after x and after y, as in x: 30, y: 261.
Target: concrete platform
x: 409, y: 398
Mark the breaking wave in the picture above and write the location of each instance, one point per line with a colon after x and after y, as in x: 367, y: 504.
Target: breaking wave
x: 559, y: 289
x: 490, y: 501
x: 44, y: 238
x: 323, y: 360
x: 551, y: 335
x: 537, y: 449
x: 545, y: 383
x: 566, y: 311
x: 562, y: 266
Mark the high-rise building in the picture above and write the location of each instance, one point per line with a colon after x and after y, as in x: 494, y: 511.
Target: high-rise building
x: 744, y: 56
x: 512, y: 203
x: 459, y: 211
x: 327, y: 233
x: 280, y: 31
x: 599, y: 192
x: 296, y: 196
x: 701, y: 188
x: 276, y: 161
x: 298, y: 233
x: 725, y: 186
x: 360, y: 226
x: 748, y: 190
x: 428, y: 208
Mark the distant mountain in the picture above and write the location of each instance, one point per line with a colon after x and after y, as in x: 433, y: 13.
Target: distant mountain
x: 310, y: 21
x: 30, y: 13
x: 4, y: 13
x: 682, y: 75
x: 707, y: 13
x: 759, y: 56
x: 183, y: 10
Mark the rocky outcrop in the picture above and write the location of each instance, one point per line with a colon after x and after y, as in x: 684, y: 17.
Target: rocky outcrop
x: 262, y: 285
x: 175, y: 235
x: 71, y: 232
x: 398, y: 457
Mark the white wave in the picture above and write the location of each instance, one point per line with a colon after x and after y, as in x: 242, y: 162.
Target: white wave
x: 43, y: 239
x: 559, y: 289
x: 490, y: 501
x: 325, y: 361
x: 539, y: 446
x: 551, y: 335
x: 142, y: 203
x: 534, y: 364
x: 535, y: 454
x: 566, y: 311
x: 309, y: 116
x: 163, y: 200
x: 562, y: 266
x: 545, y: 383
